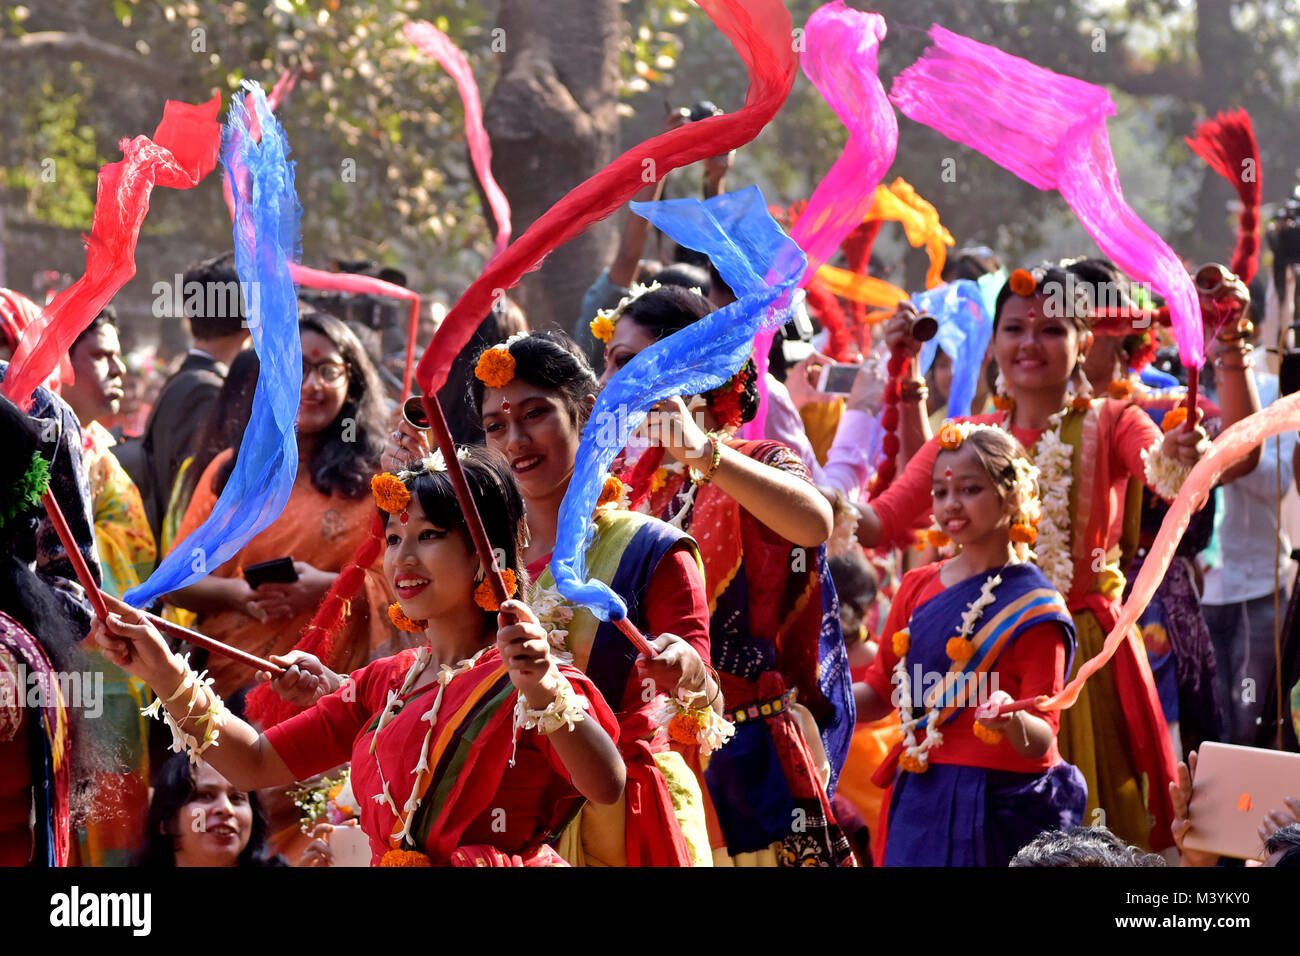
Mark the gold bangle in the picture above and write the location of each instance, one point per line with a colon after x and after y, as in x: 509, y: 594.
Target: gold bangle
x: 703, y: 479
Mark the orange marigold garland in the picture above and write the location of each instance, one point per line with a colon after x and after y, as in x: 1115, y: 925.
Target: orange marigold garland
x: 1004, y: 403
x: 950, y: 436
x: 496, y: 367
x: 404, y: 623
x: 390, y: 493
x: 901, y: 642
x: 484, y: 597
x: 959, y: 649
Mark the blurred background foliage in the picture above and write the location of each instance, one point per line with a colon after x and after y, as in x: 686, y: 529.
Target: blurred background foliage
x: 80, y: 75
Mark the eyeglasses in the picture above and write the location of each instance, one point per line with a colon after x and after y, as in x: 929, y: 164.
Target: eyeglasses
x: 330, y: 373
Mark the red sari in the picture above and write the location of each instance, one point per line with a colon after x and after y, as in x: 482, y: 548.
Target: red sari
x: 503, y: 813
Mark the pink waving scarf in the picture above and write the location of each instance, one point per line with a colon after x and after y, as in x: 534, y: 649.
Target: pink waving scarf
x: 438, y: 45
x: 1050, y: 130
x: 839, y: 58
x: 760, y: 31
x: 183, y: 150
x: 1228, y: 449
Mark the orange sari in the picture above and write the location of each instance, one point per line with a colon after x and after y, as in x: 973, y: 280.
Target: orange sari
x: 322, y: 530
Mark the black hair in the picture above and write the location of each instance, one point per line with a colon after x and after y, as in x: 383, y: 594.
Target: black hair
x: 685, y: 275
x: 1287, y: 842
x: 107, y: 318
x: 970, y: 263
x: 499, y: 505
x: 1056, y: 283
x: 458, y: 406
x: 346, y: 453
x: 1107, y: 287
x: 173, y: 787
x: 548, y: 360
x: 1082, y: 847
x: 855, y: 580
x: 671, y: 309
x: 225, y: 424
x: 220, y: 311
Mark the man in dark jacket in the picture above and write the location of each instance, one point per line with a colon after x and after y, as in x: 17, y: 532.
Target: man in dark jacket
x: 216, y: 308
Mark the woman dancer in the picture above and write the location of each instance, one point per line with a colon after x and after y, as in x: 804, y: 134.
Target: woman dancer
x: 472, y: 749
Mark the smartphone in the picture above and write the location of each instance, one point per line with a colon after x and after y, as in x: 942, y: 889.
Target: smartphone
x: 275, y: 571
x: 837, y: 379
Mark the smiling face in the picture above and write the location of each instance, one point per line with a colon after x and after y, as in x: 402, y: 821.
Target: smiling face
x: 214, y: 827
x: 324, y: 383
x: 1033, y: 350
x: 967, y: 505
x: 431, y: 569
x: 97, y: 363
x: 534, y: 429
x: 629, y: 338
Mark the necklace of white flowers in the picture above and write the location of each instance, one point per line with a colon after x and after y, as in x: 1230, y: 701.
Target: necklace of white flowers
x: 406, y: 814
x: 915, y: 757
x: 1054, y: 458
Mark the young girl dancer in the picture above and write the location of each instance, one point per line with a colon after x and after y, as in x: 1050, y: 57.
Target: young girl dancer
x: 982, y: 628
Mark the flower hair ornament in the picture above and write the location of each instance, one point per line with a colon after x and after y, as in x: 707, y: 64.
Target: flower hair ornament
x: 602, y: 326
x: 496, y: 366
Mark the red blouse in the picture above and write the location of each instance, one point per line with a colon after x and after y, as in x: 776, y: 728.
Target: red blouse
x: 336, y: 730
x: 1033, y: 664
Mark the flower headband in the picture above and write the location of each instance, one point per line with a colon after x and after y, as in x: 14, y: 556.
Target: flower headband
x: 602, y: 326
x: 496, y: 366
x: 390, y: 491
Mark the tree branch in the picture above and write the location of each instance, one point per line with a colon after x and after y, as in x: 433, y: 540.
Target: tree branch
x: 84, y: 47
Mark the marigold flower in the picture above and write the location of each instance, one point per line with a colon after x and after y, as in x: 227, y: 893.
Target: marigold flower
x: 685, y: 727
x: 901, y: 642
x: 612, y: 491
x: 405, y: 858
x: 495, y: 368
x: 1004, y: 403
x: 1121, y: 389
x: 602, y: 327
x: 390, y: 493
x: 402, y: 622
x: 1081, y: 403
x: 950, y: 436
x: 959, y: 649
x: 937, y: 538
x: 1022, y: 282
x: 484, y: 597
x: 1023, y: 533
x: 987, y: 734
x: 1174, y: 417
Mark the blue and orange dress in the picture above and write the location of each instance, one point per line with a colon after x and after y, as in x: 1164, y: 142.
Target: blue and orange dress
x: 976, y: 802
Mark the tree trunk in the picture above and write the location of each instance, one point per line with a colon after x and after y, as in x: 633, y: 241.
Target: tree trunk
x: 553, y: 122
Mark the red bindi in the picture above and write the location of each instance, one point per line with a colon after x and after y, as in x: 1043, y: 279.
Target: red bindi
x: 947, y: 472
x: 505, y: 406
x: 315, y: 353
x: 403, y: 517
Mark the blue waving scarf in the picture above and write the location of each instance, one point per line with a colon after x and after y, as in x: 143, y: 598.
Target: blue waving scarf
x: 266, y: 239
x: 762, y: 265
x: 965, y: 328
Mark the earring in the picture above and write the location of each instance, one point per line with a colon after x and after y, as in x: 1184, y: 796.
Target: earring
x: 404, y: 623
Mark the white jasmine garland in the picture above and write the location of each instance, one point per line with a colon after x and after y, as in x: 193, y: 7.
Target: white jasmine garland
x: 1053, y: 458
x: 715, y: 730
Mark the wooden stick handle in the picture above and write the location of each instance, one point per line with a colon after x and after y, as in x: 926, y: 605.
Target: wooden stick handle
x: 87, y: 581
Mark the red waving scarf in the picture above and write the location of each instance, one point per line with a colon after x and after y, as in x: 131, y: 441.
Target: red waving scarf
x: 183, y: 150
x: 760, y: 30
